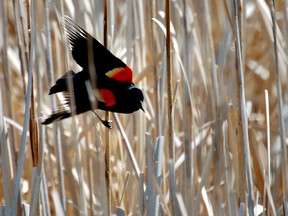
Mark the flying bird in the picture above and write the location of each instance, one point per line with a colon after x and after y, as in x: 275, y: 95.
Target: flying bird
x: 115, y: 90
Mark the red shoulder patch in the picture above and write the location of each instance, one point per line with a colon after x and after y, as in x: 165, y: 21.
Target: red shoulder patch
x: 108, y: 97
x: 121, y: 74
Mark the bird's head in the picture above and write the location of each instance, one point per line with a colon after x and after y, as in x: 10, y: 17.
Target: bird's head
x: 134, y: 99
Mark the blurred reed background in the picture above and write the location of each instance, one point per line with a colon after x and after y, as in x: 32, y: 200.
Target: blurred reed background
x: 211, y: 142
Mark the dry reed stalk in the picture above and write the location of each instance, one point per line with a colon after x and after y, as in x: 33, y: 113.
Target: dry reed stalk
x: 36, y: 150
x: 226, y: 165
x: 50, y: 74
x: 33, y: 131
x: 169, y: 82
x: 33, y: 47
x: 4, y: 139
x: 267, y: 118
x: 242, y: 102
x: 107, y: 116
x: 128, y: 146
x: 23, y: 61
x: 141, y: 195
x: 150, y: 201
x: 7, y: 80
x: 171, y: 146
x: 154, y: 62
x: 187, y: 124
x: 216, y: 101
x: 267, y: 175
x: 280, y: 111
x: 241, y: 152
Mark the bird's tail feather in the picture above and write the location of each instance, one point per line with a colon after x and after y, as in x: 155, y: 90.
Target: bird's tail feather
x: 56, y: 116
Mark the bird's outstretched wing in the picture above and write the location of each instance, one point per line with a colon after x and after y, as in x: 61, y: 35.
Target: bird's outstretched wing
x: 85, y: 48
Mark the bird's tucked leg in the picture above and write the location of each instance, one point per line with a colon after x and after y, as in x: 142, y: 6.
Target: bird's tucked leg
x: 106, y: 123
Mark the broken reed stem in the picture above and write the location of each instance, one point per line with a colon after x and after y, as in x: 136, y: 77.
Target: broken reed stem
x: 107, y: 117
x: 280, y: 110
x: 244, y: 120
x: 267, y: 109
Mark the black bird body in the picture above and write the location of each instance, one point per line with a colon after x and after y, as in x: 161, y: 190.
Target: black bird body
x: 115, y: 90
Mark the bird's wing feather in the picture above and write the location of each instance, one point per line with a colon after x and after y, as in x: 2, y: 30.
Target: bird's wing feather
x: 80, y: 41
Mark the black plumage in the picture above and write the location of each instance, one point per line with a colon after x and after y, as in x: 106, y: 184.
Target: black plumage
x: 115, y: 90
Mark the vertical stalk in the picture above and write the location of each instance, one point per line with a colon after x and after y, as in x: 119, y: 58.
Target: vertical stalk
x: 50, y: 71
x: 242, y: 102
x: 16, y: 186
x: 285, y: 27
x: 107, y: 116
x: 280, y: 110
x: 169, y: 82
x: 170, y: 99
x: 33, y: 130
x: 23, y: 62
x: 241, y: 151
x: 187, y: 123
x: 151, y: 12
x: 7, y: 77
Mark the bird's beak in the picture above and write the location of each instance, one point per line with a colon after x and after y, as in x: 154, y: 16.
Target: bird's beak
x: 141, y: 107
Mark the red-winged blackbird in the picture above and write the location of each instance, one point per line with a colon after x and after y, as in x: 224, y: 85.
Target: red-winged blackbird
x: 115, y: 91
